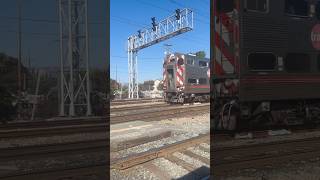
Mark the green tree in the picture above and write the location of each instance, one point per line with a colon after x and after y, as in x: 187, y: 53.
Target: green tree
x: 201, y: 54
x: 160, y: 87
x: 114, y: 85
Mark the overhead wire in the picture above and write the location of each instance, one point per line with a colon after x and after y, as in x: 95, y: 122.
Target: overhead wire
x: 50, y: 21
x: 167, y: 10
x: 205, y: 15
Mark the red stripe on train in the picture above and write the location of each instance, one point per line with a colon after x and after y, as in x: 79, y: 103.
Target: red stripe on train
x: 179, y: 76
x: 218, y: 70
x: 223, y: 49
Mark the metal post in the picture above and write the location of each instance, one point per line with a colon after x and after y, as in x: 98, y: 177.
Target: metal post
x: 61, y: 111
x: 117, y: 77
x: 36, y: 93
x: 136, y: 75
x: 19, y: 60
x: 70, y: 57
x: 120, y: 89
x: 75, y: 87
x: 89, y: 111
x: 129, y: 69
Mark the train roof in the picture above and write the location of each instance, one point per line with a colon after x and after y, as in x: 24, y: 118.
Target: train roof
x: 188, y: 56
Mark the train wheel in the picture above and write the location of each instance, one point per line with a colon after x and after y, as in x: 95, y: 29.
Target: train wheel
x: 226, y: 117
x: 232, y: 123
x: 215, y: 116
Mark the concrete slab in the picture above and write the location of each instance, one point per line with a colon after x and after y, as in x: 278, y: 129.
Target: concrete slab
x: 121, y: 144
x: 128, y: 125
x: 244, y: 136
x: 6, y: 168
x: 278, y: 132
x: 126, y: 135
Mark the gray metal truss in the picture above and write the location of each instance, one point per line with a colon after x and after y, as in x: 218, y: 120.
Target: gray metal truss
x: 74, y: 95
x: 163, y: 30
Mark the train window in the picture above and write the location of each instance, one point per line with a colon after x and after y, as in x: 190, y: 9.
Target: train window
x: 170, y: 78
x: 318, y: 9
x: 203, y: 64
x: 225, y: 6
x: 192, y: 81
x: 297, y: 7
x: 257, y: 5
x: 180, y: 62
x: 297, y: 63
x: 202, y: 81
x: 190, y: 61
x: 262, y: 61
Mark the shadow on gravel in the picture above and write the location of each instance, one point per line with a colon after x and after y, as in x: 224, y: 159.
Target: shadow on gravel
x: 198, y: 174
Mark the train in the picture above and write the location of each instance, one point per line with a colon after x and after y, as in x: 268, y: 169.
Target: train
x: 186, y: 78
x: 266, y: 63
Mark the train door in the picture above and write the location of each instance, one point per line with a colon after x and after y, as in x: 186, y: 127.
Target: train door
x: 171, y: 78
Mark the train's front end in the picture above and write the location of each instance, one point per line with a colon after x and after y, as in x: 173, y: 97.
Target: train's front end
x: 173, y: 78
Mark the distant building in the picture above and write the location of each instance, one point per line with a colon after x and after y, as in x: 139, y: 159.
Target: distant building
x: 154, y: 93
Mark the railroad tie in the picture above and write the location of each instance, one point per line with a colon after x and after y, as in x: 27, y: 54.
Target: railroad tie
x: 162, y: 175
x: 196, y: 156
x: 199, y: 173
x: 207, y: 150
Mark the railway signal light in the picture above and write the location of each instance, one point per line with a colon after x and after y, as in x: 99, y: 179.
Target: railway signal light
x: 178, y: 14
x: 154, y: 24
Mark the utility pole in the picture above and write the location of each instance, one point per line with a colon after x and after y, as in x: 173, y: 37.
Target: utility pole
x: 117, y: 77
x: 120, y: 88
x: 36, y: 95
x: 19, y: 59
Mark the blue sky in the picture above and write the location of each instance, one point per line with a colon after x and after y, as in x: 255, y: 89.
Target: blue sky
x: 40, y: 39
x: 127, y: 17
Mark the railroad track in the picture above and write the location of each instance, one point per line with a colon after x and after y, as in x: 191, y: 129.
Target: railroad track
x: 53, y: 123
x: 52, y: 150
x: 145, y: 159
x: 160, y: 114
x: 36, y: 152
x: 135, y: 101
x: 51, y: 128
x: 52, y: 131
x: 98, y: 124
x: 228, y: 159
x: 139, y: 107
x: 82, y: 172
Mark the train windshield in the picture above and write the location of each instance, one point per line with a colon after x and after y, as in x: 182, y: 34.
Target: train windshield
x: 318, y: 9
x: 171, y: 79
x: 297, y: 7
x: 257, y: 5
x: 225, y: 6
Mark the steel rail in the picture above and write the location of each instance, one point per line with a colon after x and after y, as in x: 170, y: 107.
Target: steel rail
x: 160, y: 114
x: 141, y: 158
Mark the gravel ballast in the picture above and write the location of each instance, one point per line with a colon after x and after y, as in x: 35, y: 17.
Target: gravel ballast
x: 182, y: 129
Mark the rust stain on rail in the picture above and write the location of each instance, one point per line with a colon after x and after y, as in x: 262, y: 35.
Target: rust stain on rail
x: 141, y: 158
